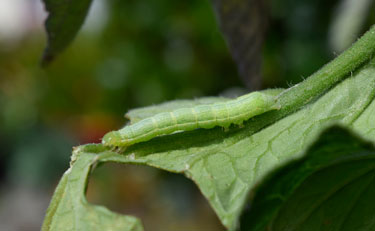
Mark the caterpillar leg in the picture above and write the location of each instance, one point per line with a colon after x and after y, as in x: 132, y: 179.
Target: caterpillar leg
x: 120, y: 149
x: 226, y: 129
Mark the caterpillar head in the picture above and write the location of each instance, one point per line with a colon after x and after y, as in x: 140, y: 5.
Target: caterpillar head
x: 112, y: 139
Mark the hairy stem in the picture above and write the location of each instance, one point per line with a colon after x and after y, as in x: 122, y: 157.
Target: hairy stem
x: 330, y: 74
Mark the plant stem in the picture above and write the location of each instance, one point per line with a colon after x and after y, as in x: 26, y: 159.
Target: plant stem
x: 330, y: 74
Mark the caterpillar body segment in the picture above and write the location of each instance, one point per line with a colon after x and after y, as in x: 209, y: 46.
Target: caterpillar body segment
x: 221, y: 114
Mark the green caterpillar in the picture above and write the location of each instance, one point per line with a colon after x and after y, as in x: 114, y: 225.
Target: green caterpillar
x: 221, y: 114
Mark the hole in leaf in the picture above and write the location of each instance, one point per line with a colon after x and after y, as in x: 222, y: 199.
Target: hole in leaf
x: 163, y: 201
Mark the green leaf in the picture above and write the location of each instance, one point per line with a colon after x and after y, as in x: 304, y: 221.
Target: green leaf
x: 226, y: 165
x: 69, y: 209
x: 331, y: 188
x: 64, y: 20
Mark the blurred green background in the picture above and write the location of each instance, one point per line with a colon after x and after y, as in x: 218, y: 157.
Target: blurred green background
x: 131, y: 54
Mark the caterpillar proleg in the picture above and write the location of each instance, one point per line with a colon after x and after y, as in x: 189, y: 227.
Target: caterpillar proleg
x: 207, y: 116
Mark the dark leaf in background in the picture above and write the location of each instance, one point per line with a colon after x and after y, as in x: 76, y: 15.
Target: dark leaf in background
x: 331, y: 188
x: 64, y: 20
x: 243, y: 23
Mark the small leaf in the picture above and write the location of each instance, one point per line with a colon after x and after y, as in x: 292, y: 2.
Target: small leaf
x: 331, y: 188
x: 64, y: 20
x: 243, y: 23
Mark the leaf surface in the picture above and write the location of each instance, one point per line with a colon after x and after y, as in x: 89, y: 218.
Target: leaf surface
x: 331, y: 188
x: 69, y: 209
